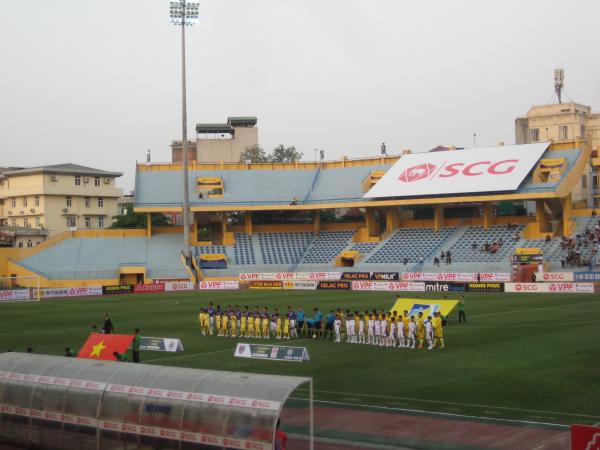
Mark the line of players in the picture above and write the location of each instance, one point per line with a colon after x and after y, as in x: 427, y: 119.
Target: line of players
x: 375, y: 328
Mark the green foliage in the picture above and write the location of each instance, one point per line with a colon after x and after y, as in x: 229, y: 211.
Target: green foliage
x: 281, y: 153
x: 132, y: 219
x: 255, y: 154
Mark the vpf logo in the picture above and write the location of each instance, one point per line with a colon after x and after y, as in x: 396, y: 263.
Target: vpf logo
x: 416, y: 173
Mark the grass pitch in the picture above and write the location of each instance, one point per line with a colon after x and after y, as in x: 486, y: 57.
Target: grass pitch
x: 527, y: 357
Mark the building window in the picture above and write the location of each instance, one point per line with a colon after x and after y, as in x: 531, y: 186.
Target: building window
x: 25, y: 222
x: 583, y: 181
x: 595, y: 181
x: 563, y: 132
x: 582, y: 131
x: 71, y: 223
x: 14, y: 222
x: 100, y: 202
x: 38, y: 224
x: 13, y: 202
x: 88, y: 222
x: 29, y: 243
x: 101, y: 222
x: 24, y: 201
x: 36, y: 200
x: 96, y: 181
x: 69, y: 202
x: 87, y: 202
x: 20, y: 245
x: 77, y: 180
x: 535, y: 134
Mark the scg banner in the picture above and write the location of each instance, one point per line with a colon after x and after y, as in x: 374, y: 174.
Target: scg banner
x: 219, y: 285
x: 556, y: 276
x: 556, y: 288
x: 458, y: 172
x: 172, y: 286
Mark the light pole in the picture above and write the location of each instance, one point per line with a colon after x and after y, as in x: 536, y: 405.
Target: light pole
x: 184, y: 14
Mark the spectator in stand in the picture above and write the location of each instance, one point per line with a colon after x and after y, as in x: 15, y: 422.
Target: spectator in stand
x: 448, y: 257
x: 405, y: 260
x: 436, y: 261
x: 442, y: 255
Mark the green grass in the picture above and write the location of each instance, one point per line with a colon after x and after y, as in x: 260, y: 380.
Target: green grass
x: 529, y: 357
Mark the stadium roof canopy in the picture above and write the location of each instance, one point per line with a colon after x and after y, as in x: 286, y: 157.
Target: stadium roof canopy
x: 336, y: 184
x: 182, y: 405
x: 63, y: 169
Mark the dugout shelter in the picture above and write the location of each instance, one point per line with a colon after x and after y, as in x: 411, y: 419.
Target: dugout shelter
x: 68, y: 403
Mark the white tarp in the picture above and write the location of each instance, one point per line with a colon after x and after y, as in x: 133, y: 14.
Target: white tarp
x: 460, y: 171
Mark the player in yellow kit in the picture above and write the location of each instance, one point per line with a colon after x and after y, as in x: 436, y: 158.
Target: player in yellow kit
x: 278, y: 324
x: 437, y: 330
x: 201, y: 322
x: 405, y: 321
x: 233, y: 326
x: 286, y: 326
x: 219, y: 320
x: 244, y: 323
x: 420, y: 329
x: 257, y: 322
x: 265, y: 323
x: 225, y: 324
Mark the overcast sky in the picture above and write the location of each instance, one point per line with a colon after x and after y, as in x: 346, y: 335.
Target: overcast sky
x: 97, y: 83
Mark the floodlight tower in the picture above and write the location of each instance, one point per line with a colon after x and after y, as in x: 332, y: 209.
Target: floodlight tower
x: 184, y: 14
x: 559, y: 83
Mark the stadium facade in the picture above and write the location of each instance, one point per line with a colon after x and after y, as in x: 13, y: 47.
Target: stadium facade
x: 318, y: 216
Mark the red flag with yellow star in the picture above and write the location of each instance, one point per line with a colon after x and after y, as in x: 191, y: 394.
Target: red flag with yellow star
x: 103, y: 346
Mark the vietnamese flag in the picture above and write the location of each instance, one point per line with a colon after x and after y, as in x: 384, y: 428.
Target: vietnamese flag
x: 102, y: 346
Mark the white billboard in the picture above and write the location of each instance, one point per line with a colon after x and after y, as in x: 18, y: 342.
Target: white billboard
x: 460, y: 171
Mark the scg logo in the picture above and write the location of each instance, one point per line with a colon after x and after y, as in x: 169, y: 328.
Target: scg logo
x: 423, y: 171
x: 417, y: 173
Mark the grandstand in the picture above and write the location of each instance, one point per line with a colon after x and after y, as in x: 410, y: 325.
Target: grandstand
x: 301, y: 216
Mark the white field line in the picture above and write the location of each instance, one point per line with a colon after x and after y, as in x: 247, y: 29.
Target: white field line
x: 440, y: 402
x: 529, y: 325
x: 533, y: 309
x: 464, y: 416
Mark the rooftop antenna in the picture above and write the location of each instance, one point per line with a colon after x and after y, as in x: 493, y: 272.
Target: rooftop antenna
x: 148, y: 156
x: 559, y: 83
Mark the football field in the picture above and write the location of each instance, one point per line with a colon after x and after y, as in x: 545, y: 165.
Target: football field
x: 520, y: 357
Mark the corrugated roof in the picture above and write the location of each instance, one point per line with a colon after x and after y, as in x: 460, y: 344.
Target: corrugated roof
x: 67, y: 168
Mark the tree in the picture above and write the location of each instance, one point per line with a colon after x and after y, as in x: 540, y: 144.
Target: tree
x: 254, y: 154
x: 281, y: 153
x: 138, y: 220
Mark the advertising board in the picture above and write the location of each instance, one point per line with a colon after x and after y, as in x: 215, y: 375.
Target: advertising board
x: 219, y: 285
x: 458, y: 172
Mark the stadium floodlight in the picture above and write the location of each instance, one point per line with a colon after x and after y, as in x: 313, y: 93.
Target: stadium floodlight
x: 184, y: 14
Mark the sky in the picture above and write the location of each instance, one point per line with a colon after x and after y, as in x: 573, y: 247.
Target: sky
x: 98, y: 83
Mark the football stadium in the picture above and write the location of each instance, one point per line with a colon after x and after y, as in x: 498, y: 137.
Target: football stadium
x: 336, y: 258
x: 443, y: 299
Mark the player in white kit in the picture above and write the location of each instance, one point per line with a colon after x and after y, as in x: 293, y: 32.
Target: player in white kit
x: 361, y: 329
x: 371, y: 326
x: 337, y: 327
x: 400, y: 333
x: 351, y: 330
x: 412, y: 332
x: 429, y: 332
x: 377, y: 339
x: 392, y: 338
x: 383, y: 328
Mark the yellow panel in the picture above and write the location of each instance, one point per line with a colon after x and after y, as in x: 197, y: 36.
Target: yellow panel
x: 350, y: 254
x: 428, y: 307
x: 213, y: 257
x: 210, y: 180
x: 552, y: 162
x: 528, y: 251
